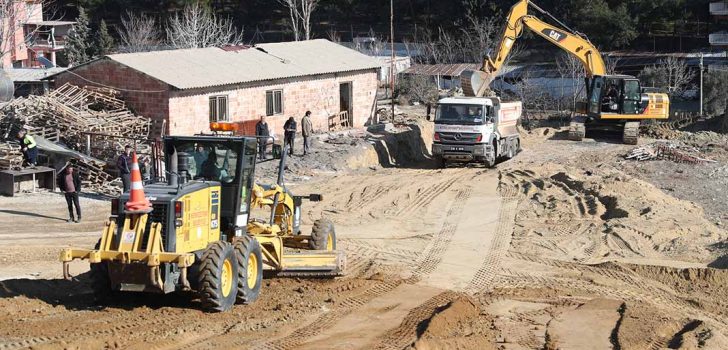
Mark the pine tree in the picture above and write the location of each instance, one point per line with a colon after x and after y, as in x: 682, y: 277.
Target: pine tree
x: 78, y: 46
x: 104, y: 41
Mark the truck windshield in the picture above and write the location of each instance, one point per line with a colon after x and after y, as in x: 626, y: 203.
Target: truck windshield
x: 460, y: 114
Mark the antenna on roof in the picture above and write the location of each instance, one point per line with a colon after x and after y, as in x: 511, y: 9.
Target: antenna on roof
x: 283, y: 60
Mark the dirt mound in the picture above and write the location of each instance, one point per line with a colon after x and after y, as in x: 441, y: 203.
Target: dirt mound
x: 451, y: 327
x: 602, y: 214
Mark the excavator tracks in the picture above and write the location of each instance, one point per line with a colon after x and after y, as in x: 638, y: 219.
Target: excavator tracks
x: 577, y: 130
x: 631, y: 133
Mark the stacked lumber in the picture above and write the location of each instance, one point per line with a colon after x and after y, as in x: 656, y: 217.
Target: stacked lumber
x: 11, y: 157
x: 70, y: 115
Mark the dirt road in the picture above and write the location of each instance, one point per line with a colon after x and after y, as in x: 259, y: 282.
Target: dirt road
x: 558, y: 248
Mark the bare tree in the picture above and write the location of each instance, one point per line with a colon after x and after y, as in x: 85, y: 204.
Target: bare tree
x: 14, y: 34
x: 670, y: 74
x: 299, y: 13
x: 198, y: 27
x: 139, y: 33
x: 611, y: 64
x: 571, y: 68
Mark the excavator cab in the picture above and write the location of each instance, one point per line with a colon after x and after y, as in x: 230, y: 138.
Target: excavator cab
x: 614, y: 94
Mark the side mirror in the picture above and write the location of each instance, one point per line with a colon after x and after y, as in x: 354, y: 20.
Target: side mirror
x: 315, y: 197
x: 277, y: 151
x: 429, y: 110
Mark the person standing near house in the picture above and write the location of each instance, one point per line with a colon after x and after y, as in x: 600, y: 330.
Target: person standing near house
x: 306, y: 131
x: 123, y: 165
x: 70, y: 184
x: 290, y: 134
x: 262, y: 132
x: 29, y: 147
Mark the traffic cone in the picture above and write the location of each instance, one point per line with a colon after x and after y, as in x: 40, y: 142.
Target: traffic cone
x: 138, y: 203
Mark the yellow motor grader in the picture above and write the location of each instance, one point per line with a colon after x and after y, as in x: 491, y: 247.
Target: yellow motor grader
x: 200, y: 235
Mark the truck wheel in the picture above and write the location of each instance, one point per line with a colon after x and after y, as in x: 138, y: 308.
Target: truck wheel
x: 218, y: 277
x: 323, y: 235
x: 250, y: 269
x: 440, y: 162
x: 511, y: 149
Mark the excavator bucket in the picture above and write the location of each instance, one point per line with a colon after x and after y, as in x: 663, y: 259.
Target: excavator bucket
x: 475, y: 82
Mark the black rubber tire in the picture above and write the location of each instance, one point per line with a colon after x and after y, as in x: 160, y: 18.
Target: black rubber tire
x: 322, y: 230
x: 211, y: 270
x: 100, y: 281
x: 440, y: 162
x: 244, y: 247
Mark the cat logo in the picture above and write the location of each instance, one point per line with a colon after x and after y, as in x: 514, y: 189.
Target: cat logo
x: 554, y: 35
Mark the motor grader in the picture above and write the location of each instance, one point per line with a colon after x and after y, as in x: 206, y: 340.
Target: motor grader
x: 200, y: 235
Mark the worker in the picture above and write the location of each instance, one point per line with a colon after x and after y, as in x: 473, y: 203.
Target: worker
x: 29, y: 148
x: 145, y: 168
x: 306, y: 131
x: 289, y: 129
x: 262, y: 132
x: 200, y: 156
x: 210, y: 171
x: 611, y: 98
x: 123, y: 165
x: 69, y: 182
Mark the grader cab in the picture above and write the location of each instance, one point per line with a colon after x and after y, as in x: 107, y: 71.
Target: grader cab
x: 197, y: 232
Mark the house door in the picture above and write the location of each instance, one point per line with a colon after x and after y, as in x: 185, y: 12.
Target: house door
x: 345, y: 104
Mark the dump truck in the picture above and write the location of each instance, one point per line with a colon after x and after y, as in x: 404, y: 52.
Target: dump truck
x: 198, y: 233
x: 475, y: 129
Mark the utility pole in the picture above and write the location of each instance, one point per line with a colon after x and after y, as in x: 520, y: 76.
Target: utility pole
x: 391, y: 64
x: 701, y: 84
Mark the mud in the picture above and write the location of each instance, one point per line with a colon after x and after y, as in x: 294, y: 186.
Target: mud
x: 562, y: 241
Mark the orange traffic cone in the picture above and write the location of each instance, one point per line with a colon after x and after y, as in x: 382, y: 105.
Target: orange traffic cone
x: 137, y: 203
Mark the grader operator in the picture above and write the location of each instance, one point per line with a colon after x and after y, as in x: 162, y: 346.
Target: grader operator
x: 198, y: 234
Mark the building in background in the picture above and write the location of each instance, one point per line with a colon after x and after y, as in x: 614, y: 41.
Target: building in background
x: 187, y: 89
x: 719, y: 11
x: 27, y: 36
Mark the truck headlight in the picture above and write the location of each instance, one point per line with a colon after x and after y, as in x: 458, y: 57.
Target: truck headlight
x: 478, y: 150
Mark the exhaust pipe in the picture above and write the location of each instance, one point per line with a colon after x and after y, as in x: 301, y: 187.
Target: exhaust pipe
x: 174, y: 169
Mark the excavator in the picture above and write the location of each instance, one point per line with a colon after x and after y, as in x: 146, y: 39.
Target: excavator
x: 614, y: 102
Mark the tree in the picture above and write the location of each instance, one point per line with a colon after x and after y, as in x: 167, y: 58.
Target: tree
x: 79, y: 48
x: 715, y: 92
x: 138, y: 33
x: 571, y: 68
x: 299, y: 13
x: 104, y: 42
x: 198, y: 27
x: 13, y: 15
x: 671, y: 74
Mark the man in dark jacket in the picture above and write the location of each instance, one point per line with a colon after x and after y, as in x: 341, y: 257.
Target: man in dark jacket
x: 290, y: 134
x: 70, y: 184
x: 262, y: 132
x: 306, y: 131
x: 123, y: 164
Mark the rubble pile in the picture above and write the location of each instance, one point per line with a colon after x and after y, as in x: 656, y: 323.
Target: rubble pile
x: 667, y: 151
x: 76, y: 116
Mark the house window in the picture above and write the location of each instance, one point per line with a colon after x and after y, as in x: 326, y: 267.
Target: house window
x: 273, y: 102
x: 219, y: 109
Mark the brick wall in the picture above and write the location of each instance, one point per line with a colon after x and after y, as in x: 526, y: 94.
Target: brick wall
x: 148, y: 99
x: 189, y: 109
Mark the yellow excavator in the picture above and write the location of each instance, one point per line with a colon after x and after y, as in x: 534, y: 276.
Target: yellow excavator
x: 614, y: 102
x: 199, y: 234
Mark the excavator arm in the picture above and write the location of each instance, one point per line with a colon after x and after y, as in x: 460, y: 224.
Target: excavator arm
x: 475, y: 83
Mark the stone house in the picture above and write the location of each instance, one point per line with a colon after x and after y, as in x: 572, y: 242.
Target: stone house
x: 189, y: 88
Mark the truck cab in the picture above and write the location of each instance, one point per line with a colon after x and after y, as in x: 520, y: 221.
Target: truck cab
x: 475, y: 129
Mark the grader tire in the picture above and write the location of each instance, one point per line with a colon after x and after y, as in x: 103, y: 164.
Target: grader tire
x: 218, y: 277
x: 100, y: 281
x: 250, y: 269
x: 323, y: 235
